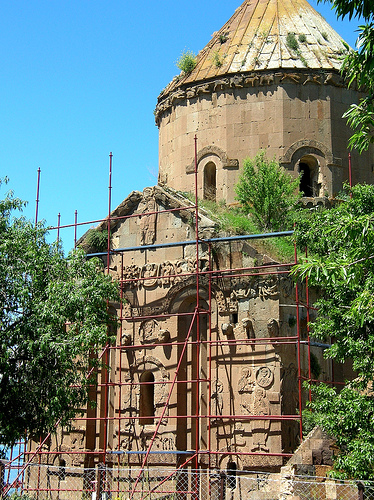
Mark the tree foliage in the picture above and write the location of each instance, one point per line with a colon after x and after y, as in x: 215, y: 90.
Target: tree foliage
x: 341, y: 241
x: 53, y: 314
x: 267, y: 191
x: 358, y: 67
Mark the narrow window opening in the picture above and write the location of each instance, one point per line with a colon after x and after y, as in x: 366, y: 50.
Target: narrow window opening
x: 210, y: 186
x: 234, y: 318
x: 147, y: 396
x: 231, y: 475
x: 305, y: 180
x: 62, y: 464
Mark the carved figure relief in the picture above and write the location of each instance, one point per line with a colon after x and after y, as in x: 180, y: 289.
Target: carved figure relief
x: 147, y: 222
x: 244, y: 291
x: 165, y: 273
x: 126, y: 310
x: 273, y: 328
x: 264, y: 377
x: 227, y: 329
x: 248, y: 328
x: 268, y: 290
x: 126, y: 339
x: 260, y: 428
x: 237, y: 439
x: 150, y: 271
x: 163, y: 336
x: 148, y: 331
x: 221, y: 301
x: 233, y: 303
x: 246, y: 384
x: 217, y: 390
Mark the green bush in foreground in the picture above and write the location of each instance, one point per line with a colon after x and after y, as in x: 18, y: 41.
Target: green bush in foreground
x: 268, y: 192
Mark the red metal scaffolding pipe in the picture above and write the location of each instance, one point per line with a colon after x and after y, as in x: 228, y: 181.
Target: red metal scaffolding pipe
x: 165, y: 406
x: 37, y: 198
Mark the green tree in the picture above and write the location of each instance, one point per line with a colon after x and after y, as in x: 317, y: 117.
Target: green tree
x: 341, y: 265
x: 358, y: 67
x: 53, y: 315
x: 267, y: 191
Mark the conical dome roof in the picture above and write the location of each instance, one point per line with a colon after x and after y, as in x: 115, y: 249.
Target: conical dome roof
x: 268, y: 35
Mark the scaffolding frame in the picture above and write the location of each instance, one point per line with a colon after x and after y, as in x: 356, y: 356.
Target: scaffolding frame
x: 187, y: 458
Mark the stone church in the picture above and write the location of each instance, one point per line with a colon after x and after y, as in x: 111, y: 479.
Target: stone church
x: 213, y: 343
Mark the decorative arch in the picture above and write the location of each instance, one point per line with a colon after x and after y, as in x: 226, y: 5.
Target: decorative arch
x: 147, y: 398
x: 213, y: 151
x: 185, y: 288
x: 314, y: 162
x: 149, y: 403
x: 305, y: 147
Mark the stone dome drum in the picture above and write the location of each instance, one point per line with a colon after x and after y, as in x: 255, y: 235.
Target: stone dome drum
x: 268, y: 79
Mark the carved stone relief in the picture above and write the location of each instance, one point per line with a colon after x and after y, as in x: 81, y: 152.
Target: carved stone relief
x: 216, y: 396
x: 147, y: 221
x: 273, y: 328
x: 148, y: 331
x: 240, y: 80
x: 246, y: 383
x: 166, y: 273
x: 264, y: 377
x: 248, y: 328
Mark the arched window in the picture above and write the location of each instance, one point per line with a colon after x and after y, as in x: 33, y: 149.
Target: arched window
x: 305, y: 180
x: 147, y: 397
x: 210, y: 185
x: 308, y: 168
x: 231, y: 475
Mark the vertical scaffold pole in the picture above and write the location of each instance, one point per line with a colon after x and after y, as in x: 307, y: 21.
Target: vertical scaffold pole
x: 298, y: 349
x: 37, y: 198
x: 75, y: 227
x: 197, y: 420
x: 106, y: 372
x: 58, y: 227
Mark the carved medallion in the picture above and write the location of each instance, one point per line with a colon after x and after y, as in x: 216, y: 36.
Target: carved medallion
x: 264, y: 377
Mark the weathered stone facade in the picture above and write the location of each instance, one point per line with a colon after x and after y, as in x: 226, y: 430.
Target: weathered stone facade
x: 214, y: 381
x: 239, y: 367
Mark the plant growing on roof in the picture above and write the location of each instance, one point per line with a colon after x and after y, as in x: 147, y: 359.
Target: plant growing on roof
x: 292, y: 42
x: 187, y: 61
x: 218, y: 59
x: 223, y: 37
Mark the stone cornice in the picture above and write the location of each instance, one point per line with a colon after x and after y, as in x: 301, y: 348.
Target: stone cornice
x: 227, y: 84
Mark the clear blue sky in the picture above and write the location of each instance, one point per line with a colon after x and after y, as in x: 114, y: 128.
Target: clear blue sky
x: 79, y: 79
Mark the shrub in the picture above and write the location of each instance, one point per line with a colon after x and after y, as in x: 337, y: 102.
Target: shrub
x: 187, y: 61
x: 218, y: 59
x: 95, y: 241
x: 291, y: 41
x: 267, y: 192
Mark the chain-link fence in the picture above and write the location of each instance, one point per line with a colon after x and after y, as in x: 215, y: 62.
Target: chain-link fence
x: 46, y: 482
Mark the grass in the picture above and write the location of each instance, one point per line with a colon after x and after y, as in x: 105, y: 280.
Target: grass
x: 218, y: 59
x: 232, y: 221
x: 291, y: 41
